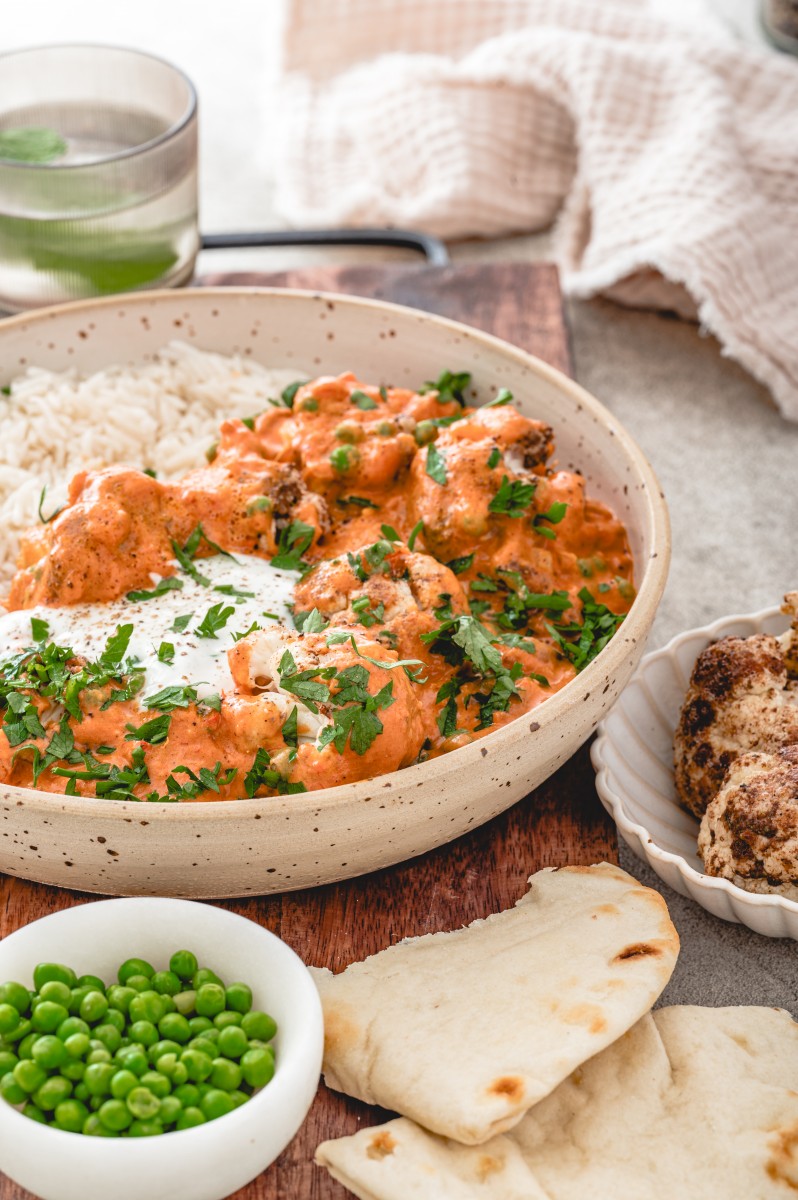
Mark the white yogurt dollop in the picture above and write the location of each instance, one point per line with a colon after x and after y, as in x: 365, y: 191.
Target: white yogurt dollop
x: 198, y: 661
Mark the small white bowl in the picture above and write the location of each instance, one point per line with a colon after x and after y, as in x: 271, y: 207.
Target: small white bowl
x: 209, y: 1161
x: 633, y: 758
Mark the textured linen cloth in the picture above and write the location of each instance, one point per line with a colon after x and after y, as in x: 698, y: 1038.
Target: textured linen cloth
x: 667, y: 154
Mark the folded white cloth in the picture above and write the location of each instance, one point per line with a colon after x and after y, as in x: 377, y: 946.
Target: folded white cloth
x: 669, y: 153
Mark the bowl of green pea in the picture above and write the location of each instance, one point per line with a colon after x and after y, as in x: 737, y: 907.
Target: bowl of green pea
x: 151, y: 1047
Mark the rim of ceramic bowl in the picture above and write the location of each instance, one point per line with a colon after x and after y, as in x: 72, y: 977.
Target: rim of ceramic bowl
x: 613, y: 800
x: 634, y: 628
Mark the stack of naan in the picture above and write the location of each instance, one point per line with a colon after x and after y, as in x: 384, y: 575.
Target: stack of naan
x: 523, y: 1056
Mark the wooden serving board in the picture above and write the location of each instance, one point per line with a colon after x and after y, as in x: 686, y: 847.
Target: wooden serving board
x: 484, y: 872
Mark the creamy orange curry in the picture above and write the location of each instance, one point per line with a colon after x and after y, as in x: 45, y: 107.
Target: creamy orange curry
x: 434, y: 577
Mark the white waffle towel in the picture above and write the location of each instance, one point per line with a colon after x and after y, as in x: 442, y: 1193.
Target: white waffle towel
x: 669, y: 154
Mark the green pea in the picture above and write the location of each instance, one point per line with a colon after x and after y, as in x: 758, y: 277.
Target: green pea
x: 114, y: 1115
x: 97, y: 1078
x: 183, y: 964
x: 139, y: 983
x: 204, y: 1045
x: 109, y: 1035
x: 198, y: 1065
x: 239, y: 997
x: 93, y: 1007
x: 9, y: 1018
x: 424, y: 432
x: 49, y: 1052
x: 93, y: 1127
x: 81, y: 1093
x: 24, y: 1045
x: 223, y: 1019
x: 170, y: 1110
x: 386, y: 429
x: 188, y: 1094
x: 76, y: 997
x: 71, y: 1026
x: 190, y: 1117
x: 145, y: 1129
x: 117, y: 1019
x: 74, y: 1069
x: 225, y: 1075
x: 210, y: 999
x: 134, y: 966
x: 198, y: 1025
x: 175, y: 1027
x: 184, y: 1003
x: 238, y: 1097
x: 143, y: 1032
x: 257, y: 1067
x: 47, y: 1016
x: 142, y: 1103
x: 147, y: 1006
x: 58, y: 992
x: 171, y: 1066
x: 11, y: 1090
x: 205, y: 975
x: 52, y: 1092
x: 8, y: 1060
x: 216, y: 1103
x: 99, y: 1055
x: 233, y: 1042
x: 44, y: 972
x: 15, y: 994
x: 122, y: 1083
x: 344, y: 458
x: 132, y: 1058
x: 119, y: 997
x: 71, y: 1115
x: 92, y: 981
x: 34, y: 1113
x: 259, y: 1025
x: 21, y: 1033
x: 29, y: 1075
x: 167, y: 982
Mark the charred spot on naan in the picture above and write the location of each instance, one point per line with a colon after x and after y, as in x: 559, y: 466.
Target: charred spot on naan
x: 512, y: 1087
x: 381, y: 1145
x: 638, y: 950
x: 782, y: 1166
x: 489, y: 1165
x: 585, y: 1014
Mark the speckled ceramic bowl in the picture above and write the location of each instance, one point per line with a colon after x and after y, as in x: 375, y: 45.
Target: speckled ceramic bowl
x: 633, y: 757
x: 272, y: 845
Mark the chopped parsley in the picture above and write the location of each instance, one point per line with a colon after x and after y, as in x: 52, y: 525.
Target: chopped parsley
x: 459, y: 565
x: 357, y: 501
x: 367, y: 613
x: 174, y: 696
x: 181, y: 624
x: 40, y: 630
x: 494, y: 458
x: 502, y: 397
x: 288, y: 394
x: 512, y: 499
x: 553, y: 515
x: 310, y: 622
x: 170, y: 584
x: 290, y: 728
x: 228, y: 589
x: 449, y: 386
x: 215, y: 619
x: 153, y: 731
x: 263, y: 774
x: 206, y: 780
x: 581, y: 643
x: 46, y: 520
x: 356, y: 717
x: 293, y: 542
x: 414, y: 532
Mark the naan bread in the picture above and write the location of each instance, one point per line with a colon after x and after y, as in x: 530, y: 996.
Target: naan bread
x: 690, y: 1104
x: 465, y: 1031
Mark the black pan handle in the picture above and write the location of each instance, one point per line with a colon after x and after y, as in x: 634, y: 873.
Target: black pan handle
x: 432, y: 248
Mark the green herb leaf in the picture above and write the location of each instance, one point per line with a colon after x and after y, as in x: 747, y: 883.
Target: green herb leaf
x: 310, y: 622
x: 459, y: 565
x: 259, y: 504
x: 46, y: 520
x: 494, y: 458
x: 436, y: 464
x: 414, y: 532
x: 357, y: 501
x: 154, y: 731
x: 116, y: 646
x: 31, y: 145
x: 582, y: 643
x: 288, y: 394
x: 290, y: 729
x: 501, y: 398
x: 228, y: 589
x: 389, y: 533
x: 512, y: 499
x: 293, y: 542
x: 181, y: 624
x: 215, y: 619
x: 170, y: 584
x: 174, y: 696
x: 448, y: 385
x: 40, y: 630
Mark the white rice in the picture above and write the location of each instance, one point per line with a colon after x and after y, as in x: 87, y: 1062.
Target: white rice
x: 161, y: 416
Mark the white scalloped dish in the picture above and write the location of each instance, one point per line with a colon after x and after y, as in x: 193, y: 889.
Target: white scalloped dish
x: 633, y: 758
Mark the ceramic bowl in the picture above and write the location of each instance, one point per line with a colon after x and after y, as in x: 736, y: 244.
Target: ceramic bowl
x: 275, y: 845
x: 633, y: 757
x: 211, y: 1160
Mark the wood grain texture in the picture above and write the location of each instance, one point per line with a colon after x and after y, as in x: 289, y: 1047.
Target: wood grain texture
x: 482, y: 873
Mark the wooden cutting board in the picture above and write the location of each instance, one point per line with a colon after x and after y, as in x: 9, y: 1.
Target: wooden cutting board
x: 484, y: 872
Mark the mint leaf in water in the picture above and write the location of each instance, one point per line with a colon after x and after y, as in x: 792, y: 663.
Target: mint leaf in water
x: 32, y: 145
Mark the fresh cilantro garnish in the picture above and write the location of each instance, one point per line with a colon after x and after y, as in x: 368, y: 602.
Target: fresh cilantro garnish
x: 215, y: 619
x: 212, y: 701
x: 40, y: 630
x: 436, y: 464
x: 357, y: 501
x: 310, y: 622
x: 288, y: 394
x: 517, y: 641
x: 447, y: 717
x: 174, y: 696
x: 356, y: 717
x: 185, y: 554
x: 494, y: 458
x: 449, y: 386
x: 502, y: 397
x: 389, y: 533
x: 414, y: 532
x: 293, y: 542
x: 262, y: 774
x: 153, y: 731
x: 459, y: 565
x: 553, y: 515
x: 259, y: 504
x: 304, y: 685
x: 5, y: 390
x: 367, y: 614
x: 512, y: 499
x: 46, y: 520
x: 290, y: 728
x: 181, y: 624
x: 499, y: 697
x: 206, y: 780
x: 170, y: 584
x: 228, y: 589
x: 483, y: 583
x: 116, y: 646
x: 581, y: 643
x: 362, y: 401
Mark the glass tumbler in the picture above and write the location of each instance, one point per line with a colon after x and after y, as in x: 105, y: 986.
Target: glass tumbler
x: 98, y: 174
